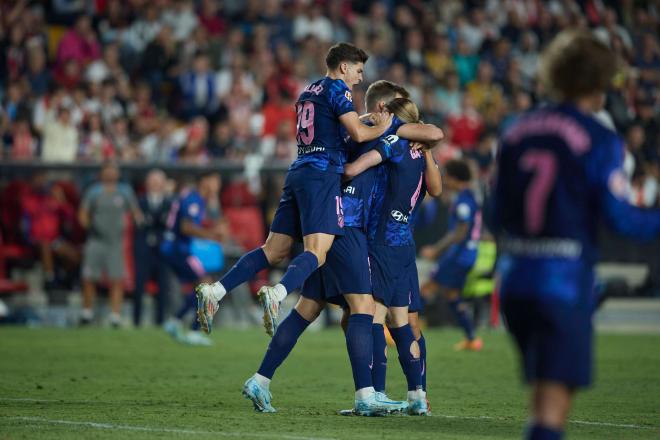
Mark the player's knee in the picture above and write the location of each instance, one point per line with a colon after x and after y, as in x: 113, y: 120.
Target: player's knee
x: 274, y: 254
x: 414, y: 350
x: 414, y: 326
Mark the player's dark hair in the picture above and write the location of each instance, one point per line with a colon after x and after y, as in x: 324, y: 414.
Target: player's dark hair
x: 404, y: 109
x: 383, y: 90
x: 459, y: 170
x: 344, y: 52
x: 576, y: 64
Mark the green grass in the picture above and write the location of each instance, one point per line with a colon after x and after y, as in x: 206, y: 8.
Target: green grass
x: 141, y: 379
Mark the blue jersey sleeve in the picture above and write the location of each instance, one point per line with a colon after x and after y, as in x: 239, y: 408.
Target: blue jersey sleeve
x: 341, y: 99
x: 464, y: 211
x: 391, y: 147
x: 611, y: 185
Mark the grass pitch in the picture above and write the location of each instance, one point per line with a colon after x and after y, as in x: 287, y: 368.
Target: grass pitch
x: 130, y: 384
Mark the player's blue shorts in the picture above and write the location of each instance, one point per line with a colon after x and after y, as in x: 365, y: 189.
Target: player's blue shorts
x: 310, y: 203
x: 346, y: 270
x: 187, y: 267
x: 450, y: 273
x: 554, y: 338
x: 394, y: 275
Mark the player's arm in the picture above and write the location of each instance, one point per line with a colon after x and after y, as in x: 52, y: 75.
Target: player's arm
x: 419, y: 132
x: 626, y: 219
x: 364, y: 162
x: 189, y: 228
x: 83, y: 217
x: 456, y: 236
x: 360, y: 132
x: 432, y: 176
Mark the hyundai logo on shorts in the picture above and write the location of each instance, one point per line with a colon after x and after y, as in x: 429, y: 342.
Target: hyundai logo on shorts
x: 399, y: 216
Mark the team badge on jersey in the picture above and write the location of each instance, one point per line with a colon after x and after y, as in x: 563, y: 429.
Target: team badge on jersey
x: 348, y: 95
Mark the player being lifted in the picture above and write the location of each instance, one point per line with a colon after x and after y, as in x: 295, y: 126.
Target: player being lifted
x: 401, y: 185
x: 345, y: 277
x: 559, y: 172
x: 310, y: 206
x: 456, y: 252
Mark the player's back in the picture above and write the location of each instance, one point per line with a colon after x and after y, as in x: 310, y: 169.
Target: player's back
x: 398, y: 191
x: 357, y: 193
x: 318, y: 127
x: 553, y: 166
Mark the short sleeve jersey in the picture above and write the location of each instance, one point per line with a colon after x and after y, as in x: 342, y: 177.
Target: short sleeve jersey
x: 319, y: 134
x: 464, y: 209
x: 190, y: 206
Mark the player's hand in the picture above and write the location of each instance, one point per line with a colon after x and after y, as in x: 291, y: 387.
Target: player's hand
x: 419, y: 146
x: 429, y: 252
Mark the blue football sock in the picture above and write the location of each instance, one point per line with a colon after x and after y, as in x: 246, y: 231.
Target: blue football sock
x: 299, y: 270
x: 283, y: 341
x: 462, y: 316
x: 412, y: 367
x: 539, y: 432
x: 246, y: 268
x: 189, y: 304
x: 422, y: 354
x: 379, y: 368
x: 359, y: 343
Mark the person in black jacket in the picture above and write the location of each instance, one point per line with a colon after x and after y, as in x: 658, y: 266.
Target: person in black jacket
x: 155, y: 204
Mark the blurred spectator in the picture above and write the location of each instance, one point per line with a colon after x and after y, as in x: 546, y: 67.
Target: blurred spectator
x: 96, y: 145
x: 38, y: 75
x: 155, y: 206
x: 182, y: 19
x: 79, y: 44
x: 60, y: 137
x: 23, y: 144
x: 45, y: 210
x: 467, y: 125
x: 199, y: 89
x: 312, y: 22
x: 103, y: 213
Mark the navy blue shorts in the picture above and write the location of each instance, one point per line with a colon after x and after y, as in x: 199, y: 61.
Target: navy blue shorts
x: 346, y: 270
x: 554, y: 339
x: 394, y: 274
x: 310, y: 203
x: 187, y: 267
x: 451, y: 274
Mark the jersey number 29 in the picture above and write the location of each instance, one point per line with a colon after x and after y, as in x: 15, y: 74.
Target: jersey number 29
x: 305, y: 124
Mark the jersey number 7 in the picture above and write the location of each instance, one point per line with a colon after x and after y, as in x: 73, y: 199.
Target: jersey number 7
x: 543, y: 165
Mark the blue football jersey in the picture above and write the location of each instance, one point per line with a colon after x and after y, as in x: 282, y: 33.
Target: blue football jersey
x: 397, y: 193
x: 464, y: 209
x: 559, y: 172
x: 357, y: 193
x: 319, y: 134
x: 189, y: 206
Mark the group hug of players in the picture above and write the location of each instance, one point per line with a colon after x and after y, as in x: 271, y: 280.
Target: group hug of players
x: 352, y: 194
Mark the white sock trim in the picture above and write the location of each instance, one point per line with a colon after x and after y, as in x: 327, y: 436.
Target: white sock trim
x: 262, y: 380
x: 363, y: 393
x: 280, y: 292
x: 218, y: 291
x: 87, y: 314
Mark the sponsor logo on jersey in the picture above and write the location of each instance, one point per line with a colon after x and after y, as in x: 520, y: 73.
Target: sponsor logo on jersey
x: 308, y: 149
x: 349, y: 190
x: 389, y: 140
x: 399, y: 216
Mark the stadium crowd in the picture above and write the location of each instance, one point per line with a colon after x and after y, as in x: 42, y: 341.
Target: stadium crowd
x: 195, y: 82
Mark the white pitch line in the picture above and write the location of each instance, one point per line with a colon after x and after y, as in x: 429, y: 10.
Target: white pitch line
x: 444, y: 416
x: 112, y: 426
x: 576, y: 422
